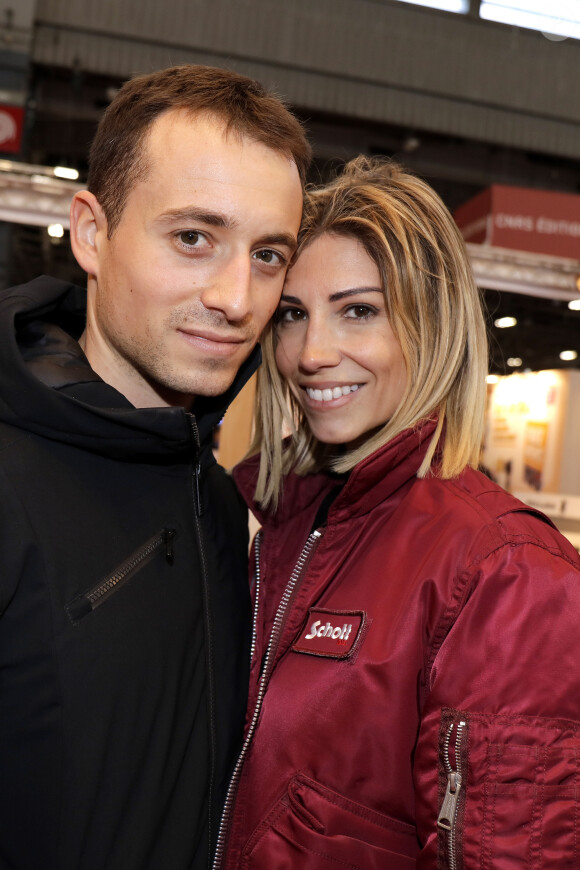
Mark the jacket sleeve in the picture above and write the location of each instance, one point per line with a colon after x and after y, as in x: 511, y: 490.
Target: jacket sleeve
x: 497, y: 766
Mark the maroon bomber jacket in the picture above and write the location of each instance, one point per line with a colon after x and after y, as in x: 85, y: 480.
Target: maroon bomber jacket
x: 415, y: 682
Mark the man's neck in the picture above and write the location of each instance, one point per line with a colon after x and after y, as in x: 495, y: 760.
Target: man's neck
x: 136, y: 389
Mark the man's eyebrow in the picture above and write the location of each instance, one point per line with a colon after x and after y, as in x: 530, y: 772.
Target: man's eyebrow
x: 353, y: 291
x: 197, y: 215
x: 216, y: 219
x: 285, y: 239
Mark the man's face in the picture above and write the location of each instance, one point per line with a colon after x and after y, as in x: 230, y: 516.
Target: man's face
x: 195, y: 267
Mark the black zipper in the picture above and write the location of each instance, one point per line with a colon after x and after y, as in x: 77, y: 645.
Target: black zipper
x: 86, y: 603
x: 209, y: 632
x: 197, y: 500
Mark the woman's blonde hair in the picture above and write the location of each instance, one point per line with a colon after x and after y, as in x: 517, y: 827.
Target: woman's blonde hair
x: 434, y: 309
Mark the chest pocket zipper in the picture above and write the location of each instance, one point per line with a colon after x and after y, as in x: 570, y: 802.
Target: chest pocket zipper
x: 84, y: 604
x: 447, y: 819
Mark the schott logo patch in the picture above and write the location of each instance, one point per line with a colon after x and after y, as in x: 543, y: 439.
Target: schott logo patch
x: 330, y: 633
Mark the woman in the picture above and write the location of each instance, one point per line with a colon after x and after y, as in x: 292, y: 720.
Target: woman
x: 415, y: 688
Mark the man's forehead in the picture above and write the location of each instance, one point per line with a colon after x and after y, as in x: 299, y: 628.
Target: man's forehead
x: 191, y: 119
x: 206, y: 126
x: 191, y: 165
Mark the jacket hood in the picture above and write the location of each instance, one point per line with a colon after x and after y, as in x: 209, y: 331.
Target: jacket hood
x: 375, y: 478
x: 40, y: 323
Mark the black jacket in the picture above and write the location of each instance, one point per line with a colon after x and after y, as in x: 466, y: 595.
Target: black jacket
x: 123, y: 608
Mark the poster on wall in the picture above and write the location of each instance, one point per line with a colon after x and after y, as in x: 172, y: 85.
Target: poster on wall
x: 525, y: 430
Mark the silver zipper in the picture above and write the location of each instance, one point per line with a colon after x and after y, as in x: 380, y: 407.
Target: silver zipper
x: 266, y: 672
x: 257, y: 589
x: 448, y: 814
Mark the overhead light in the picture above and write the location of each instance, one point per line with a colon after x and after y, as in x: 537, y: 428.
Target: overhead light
x: 568, y: 355
x: 446, y: 5
x: 411, y: 144
x: 505, y: 322
x: 554, y: 19
x: 66, y: 172
x: 492, y: 379
x: 55, y: 231
x: 514, y: 361
x: 574, y: 304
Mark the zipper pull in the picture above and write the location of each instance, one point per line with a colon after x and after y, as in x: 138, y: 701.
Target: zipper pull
x: 194, y: 429
x: 197, y: 468
x: 197, y: 487
x: 168, y: 536
x: 446, y: 818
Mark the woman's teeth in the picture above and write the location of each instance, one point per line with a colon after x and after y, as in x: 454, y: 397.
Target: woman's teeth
x: 328, y: 394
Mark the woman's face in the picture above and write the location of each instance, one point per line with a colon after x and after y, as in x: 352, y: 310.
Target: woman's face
x: 335, y: 345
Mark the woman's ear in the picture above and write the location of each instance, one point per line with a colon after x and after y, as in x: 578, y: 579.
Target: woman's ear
x: 88, y: 228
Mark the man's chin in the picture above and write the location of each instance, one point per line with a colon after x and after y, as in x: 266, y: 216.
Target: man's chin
x: 212, y: 390
x: 185, y: 394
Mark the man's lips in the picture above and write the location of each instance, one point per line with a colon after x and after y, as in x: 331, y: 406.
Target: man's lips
x: 213, y: 342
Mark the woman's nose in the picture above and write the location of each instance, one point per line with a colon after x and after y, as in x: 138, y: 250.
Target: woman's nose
x: 320, y: 348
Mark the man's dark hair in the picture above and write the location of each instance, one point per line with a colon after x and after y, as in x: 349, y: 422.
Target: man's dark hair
x: 117, y: 161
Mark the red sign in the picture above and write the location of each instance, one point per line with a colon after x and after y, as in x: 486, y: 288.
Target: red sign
x: 11, y: 123
x: 330, y: 633
x: 524, y: 220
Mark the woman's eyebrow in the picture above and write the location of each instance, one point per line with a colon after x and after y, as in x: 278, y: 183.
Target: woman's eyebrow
x: 353, y: 291
x: 334, y: 297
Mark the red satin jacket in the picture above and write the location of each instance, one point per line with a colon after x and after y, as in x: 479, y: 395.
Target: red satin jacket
x: 415, y: 683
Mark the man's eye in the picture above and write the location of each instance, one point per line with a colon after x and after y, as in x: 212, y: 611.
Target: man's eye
x: 189, y: 237
x: 271, y: 258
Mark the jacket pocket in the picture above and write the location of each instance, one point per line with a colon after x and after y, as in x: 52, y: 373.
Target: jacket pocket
x: 315, y: 828
x: 86, y: 603
x: 517, y: 804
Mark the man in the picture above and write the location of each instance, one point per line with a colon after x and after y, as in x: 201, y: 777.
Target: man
x: 124, y: 613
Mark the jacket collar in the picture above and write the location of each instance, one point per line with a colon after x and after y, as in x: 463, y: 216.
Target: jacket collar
x: 372, y: 481
x: 40, y: 323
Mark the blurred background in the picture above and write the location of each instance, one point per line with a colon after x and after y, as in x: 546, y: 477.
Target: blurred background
x: 479, y: 97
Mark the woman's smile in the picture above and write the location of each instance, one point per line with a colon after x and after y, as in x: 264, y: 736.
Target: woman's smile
x: 335, y: 345
x: 327, y: 394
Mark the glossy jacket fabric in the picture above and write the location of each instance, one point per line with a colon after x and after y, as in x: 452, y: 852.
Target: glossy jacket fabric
x: 425, y: 662
x: 124, y: 609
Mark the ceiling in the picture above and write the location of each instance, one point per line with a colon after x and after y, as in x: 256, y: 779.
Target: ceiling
x: 544, y: 328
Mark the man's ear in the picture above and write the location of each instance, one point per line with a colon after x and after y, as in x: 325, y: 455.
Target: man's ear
x: 88, y: 230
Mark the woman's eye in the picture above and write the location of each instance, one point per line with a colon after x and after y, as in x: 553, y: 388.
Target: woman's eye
x: 289, y: 315
x: 270, y: 258
x: 360, y: 312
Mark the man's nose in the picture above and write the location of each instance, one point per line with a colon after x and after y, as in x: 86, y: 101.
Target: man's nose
x: 320, y: 348
x: 230, y: 291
